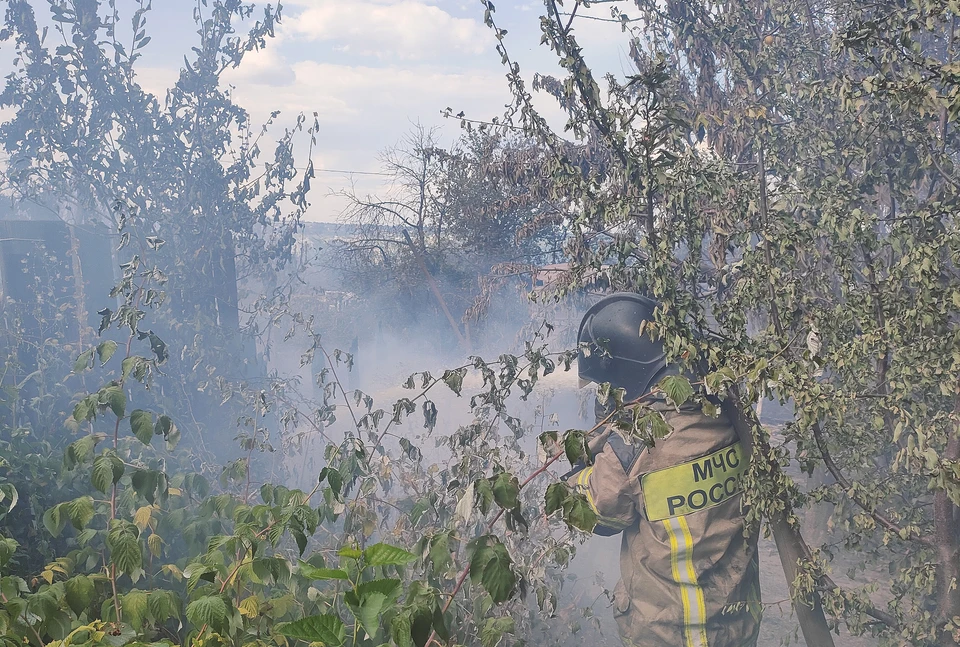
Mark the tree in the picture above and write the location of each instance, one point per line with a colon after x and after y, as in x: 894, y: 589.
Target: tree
x: 86, y: 141
x: 790, y: 169
x: 451, y: 218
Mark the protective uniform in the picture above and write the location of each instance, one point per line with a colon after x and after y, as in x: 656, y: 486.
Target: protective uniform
x: 689, y: 575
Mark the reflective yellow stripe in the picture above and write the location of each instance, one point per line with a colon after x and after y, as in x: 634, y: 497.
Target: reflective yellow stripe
x: 684, y: 574
x: 701, y: 605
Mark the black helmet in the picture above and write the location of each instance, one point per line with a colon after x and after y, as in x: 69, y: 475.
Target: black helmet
x: 615, y: 348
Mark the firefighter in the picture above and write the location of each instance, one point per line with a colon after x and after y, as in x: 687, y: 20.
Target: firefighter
x: 689, y: 572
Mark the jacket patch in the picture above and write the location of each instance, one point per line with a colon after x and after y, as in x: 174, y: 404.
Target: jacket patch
x: 695, y: 485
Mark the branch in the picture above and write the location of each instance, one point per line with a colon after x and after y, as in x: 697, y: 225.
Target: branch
x: 848, y: 485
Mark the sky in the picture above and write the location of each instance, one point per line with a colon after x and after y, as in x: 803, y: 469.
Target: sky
x: 371, y: 69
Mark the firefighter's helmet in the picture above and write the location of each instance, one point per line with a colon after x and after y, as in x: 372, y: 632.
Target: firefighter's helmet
x: 616, y: 345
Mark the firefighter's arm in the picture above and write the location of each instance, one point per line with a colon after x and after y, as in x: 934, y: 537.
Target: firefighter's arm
x: 606, y: 484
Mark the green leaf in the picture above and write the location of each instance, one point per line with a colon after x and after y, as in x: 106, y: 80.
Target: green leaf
x: 498, y: 577
x: 163, y: 605
x: 677, y: 389
x: 506, y: 490
x: 105, y: 350
x: 401, y: 627
x: 86, y: 409
x: 575, y: 446
x: 369, y: 613
x: 439, y: 554
x: 133, y: 605
x: 123, y: 540
x: 80, y: 450
x: 313, y: 573
x: 208, y: 610
x: 484, y: 494
x: 196, y: 573
x: 334, y: 479
x: 79, y: 593
x: 107, y: 471
x: 114, y: 397
x: 54, y: 520
x: 385, y: 554
x: 8, y: 547
x: 9, y: 494
x: 556, y: 495
x: 578, y: 513
x: 326, y: 628
x: 80, y: 511
x: 150, y: 484
x: 389, y: 587
x: 141, y: 423
x: 350, y: 552
x: 83, y: 361
x: 490, y: 564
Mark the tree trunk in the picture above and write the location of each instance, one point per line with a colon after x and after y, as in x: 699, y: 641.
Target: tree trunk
x: 945, y: 536
x: 790, y: 544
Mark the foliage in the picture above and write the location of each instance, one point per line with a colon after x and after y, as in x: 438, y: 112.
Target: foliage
x: 182, y: 175
x: 781, y: 175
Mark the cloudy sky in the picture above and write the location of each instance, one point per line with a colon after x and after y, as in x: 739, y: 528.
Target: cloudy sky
x: 372, y: 68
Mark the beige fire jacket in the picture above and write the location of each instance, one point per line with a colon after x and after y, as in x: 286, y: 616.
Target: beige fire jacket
x: 689, y: 576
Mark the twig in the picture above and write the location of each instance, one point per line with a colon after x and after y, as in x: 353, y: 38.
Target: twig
x: 848, y: 486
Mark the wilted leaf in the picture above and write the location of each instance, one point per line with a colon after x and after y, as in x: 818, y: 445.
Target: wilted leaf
x: 454, y: 379
x: 493, y: 629
x: 464, y: 509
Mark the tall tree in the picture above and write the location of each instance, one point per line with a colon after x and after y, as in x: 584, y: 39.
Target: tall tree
x: 184, y: 173
x: 783, y: 178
